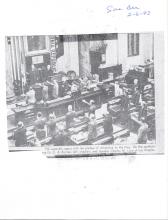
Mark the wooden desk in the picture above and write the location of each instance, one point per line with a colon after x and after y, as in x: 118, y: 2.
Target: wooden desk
x: 21, y: 111
x: 100, y: 134
x: 59, y: 106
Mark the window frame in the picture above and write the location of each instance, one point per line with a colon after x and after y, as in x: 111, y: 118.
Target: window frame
x: 36, y: 52
x: 133, y: 40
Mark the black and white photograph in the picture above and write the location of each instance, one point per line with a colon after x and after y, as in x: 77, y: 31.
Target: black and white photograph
x: 83, y: 109
x: 91, y: 89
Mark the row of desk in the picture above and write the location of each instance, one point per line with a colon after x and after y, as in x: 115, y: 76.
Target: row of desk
x: 59, y: 105
x: 78, y: 133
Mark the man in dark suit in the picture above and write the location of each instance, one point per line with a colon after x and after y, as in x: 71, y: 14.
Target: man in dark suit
x: 20, y: 135
x: 49, y: 71
x: 51, y: 125
x: 70, y: 115
x: 136, y: 98
x: 107, y: 124
x: 39, y: 126
x: 92, y: 129
x: 60, y: 138
x: 143, y: 132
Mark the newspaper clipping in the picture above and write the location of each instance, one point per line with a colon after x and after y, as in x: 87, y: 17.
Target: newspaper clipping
x: 85, y: 95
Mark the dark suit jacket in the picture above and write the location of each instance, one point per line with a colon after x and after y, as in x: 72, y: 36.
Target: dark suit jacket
x: 20, y: 137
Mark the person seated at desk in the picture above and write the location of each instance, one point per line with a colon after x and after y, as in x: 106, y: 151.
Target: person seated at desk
x: 51, y: 125
x: 39, y: 126
x: 38, y: 88
x: 70, y: 115
x: 95, y: 77
x: 64, y: 86
x: 118, y: 89
x: 30, y: 96
x: 142, y: 132
x: 49, y: 71
x: 74, y: 87
x: 92, y: 129
x: 84, y: 82
x: 108, y: 125
x: 20, y: 135
x: 92, y: 106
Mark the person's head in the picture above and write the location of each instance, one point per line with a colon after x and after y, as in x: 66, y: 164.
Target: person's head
x: 85, y: 78
x: 20, y: 124
x: 92, y: 102
x: 135, y: 81
x: 143, y: 120
x: 69, y: 108
x: 48, y: 67
x: 39, y: 115
x: 31, y: 88
x: 51, y: 116
x: 64, y: 78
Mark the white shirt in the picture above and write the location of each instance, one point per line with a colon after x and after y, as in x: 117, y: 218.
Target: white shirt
x: 31, y: 96
x: 118, y: 90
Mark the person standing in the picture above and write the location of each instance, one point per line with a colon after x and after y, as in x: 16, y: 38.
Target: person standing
x: 30, y: 96
x: 70, y: 115
x: 51, y: 125
x: 45, y: 92
x: 142, y: 132
x: 136, y: 98
x: 143, y: 111
x: 50, y: 86
x: 118, y: 89
x: 55, y: 89
x: 92, y: 129
x: 20, y: 135
x: 39, y: 126
x: 108, y: 125
x: 92, y: 106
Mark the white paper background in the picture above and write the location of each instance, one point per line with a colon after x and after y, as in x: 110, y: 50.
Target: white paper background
x: 32, y: 186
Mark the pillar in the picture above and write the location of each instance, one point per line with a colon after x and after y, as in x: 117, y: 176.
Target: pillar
x: 84, y: 56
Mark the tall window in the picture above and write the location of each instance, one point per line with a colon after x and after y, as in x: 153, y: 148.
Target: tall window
x: 133, y: 44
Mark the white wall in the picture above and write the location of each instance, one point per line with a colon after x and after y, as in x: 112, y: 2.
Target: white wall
x: 116, y: 53
x: 145, y: 50
x: 70, y: 59
x: 111, y: 52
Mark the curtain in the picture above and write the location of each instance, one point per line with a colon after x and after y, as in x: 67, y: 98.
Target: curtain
x: 15, y: 62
